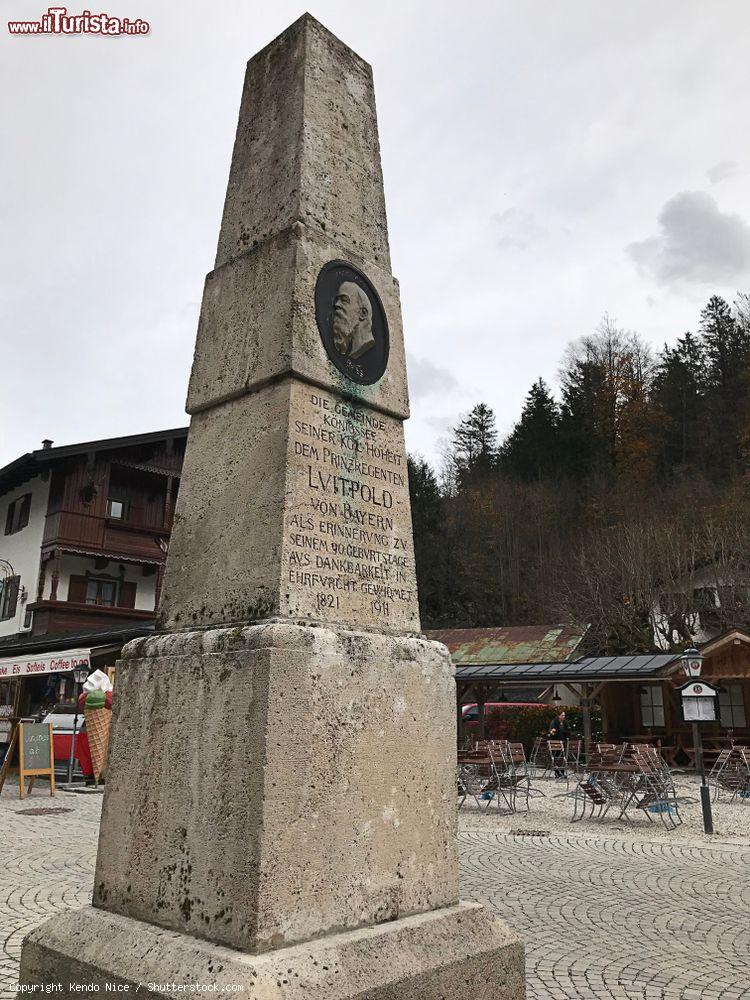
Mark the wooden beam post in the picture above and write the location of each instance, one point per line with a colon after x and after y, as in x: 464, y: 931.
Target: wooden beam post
x: 586, y: 716
x: 55, y: 574
x: 13, y: 733
x: 459, y: 715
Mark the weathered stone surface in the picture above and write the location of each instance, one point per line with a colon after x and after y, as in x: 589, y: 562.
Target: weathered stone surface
x: 267, y: 814
x: 307, y: 148
x: 225, y: 551
x: 258, y: 324
x: 305, y: 188
x: 457, y: 953
x: 306, y: 515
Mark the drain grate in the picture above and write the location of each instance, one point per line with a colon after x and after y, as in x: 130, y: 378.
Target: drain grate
x: 529, y: 833
x: 42, y: 811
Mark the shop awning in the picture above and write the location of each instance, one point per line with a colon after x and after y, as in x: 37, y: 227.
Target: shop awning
x: 44, y: 663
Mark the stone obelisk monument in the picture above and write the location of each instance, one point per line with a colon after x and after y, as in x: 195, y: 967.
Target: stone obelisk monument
x: 280, y: 810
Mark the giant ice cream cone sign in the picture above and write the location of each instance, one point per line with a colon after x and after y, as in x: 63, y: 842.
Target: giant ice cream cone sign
x: 96, y: 704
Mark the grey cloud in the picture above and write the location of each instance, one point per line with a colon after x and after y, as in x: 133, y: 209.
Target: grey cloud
x: 720, y: 171
x: 697, y: 243
x: 426, y: 378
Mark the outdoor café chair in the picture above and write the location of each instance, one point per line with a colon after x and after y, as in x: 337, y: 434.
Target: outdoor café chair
x: 731, y: 774
x: 540, y: 759
x: 574, y: 756
x: 652, y: 789
x: 518, y: 774
x: 486, y: 781
x: 595, y: 792
x: 723, y: 776
x: 474, y: 781
x: 505, y: 777
x: 744, y: 756
x: 558, y: 758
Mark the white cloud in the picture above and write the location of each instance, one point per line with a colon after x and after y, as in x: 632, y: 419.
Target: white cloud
x: 697, y: 243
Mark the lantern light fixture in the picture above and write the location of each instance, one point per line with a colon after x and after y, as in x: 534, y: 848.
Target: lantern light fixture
x: 692, y: 662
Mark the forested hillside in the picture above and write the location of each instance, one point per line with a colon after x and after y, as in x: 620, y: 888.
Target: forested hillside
x: 618, y: 496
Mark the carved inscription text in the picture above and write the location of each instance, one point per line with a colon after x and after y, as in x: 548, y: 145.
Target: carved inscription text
x: 348, y: 543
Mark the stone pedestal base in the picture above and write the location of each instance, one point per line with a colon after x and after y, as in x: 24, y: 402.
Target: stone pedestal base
x: 274, y: 783
x: 280, y: 814
x: 457, y: 953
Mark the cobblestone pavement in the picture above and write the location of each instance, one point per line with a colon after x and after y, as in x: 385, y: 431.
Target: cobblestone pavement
x: 602, y: 919
x: 46, y: 865
x: 617, y: 920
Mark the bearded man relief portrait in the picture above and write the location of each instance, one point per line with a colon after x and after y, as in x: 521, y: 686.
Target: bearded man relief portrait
x: 352, y: 321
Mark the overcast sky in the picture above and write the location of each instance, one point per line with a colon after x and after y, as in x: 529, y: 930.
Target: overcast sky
x: 544, y: 163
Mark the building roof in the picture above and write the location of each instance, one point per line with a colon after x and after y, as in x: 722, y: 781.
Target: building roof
x: 105, y: 636
x: 522, y: 644
x: 32, y: 463
x: 588, y: 668
x: 735, y: 636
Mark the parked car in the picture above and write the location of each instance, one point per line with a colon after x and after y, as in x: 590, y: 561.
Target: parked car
x: 62, y: 717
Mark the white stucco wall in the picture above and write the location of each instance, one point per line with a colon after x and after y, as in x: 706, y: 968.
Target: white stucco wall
x: 70, y: 565
x: 22, y: 549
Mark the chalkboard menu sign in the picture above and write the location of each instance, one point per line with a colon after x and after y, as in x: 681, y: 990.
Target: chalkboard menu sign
x: 37, y: 754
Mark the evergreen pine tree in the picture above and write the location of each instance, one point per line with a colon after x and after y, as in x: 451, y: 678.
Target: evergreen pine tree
x: 473, y: 450
x: 584, y: 446
x: 679, y: 393
x: 532, y: 450
x: 727, y: 348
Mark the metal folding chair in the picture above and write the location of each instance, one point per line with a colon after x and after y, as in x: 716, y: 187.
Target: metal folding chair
x: 540, y: 760
x: 731, y: 774
x: 558, y: 758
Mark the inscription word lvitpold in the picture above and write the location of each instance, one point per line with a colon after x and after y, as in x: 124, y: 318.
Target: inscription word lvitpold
x: 349, y: 538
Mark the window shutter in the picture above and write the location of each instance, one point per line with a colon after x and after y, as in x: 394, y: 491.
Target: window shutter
x: 127, y: 595
x: 13, y: 585
x: 25, y: 509
x: 77, y: 589
x: 9, y: 518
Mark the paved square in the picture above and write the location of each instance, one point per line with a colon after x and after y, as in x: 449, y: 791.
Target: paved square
x: 629, y: 920
x: 603, y: 918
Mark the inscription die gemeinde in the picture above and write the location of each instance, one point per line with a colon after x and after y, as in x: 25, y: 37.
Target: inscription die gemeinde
x: 348, y: 542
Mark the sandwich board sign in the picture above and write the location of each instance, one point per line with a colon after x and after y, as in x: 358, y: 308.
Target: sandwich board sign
x: 36, y: 754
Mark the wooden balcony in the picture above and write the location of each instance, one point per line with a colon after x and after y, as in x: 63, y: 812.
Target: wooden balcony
x: 92, y: 533
x: 53, y: 617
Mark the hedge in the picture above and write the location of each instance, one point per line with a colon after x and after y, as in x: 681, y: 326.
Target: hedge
x: 523, y: 723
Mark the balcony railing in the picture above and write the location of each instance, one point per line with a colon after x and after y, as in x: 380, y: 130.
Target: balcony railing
x: 104, y: 534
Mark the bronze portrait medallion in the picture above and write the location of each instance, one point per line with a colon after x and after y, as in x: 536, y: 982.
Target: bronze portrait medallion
x: 352, y: 322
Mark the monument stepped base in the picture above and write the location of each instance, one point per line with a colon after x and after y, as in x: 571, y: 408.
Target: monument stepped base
x: 272, y: 782
x: 457, y: 953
